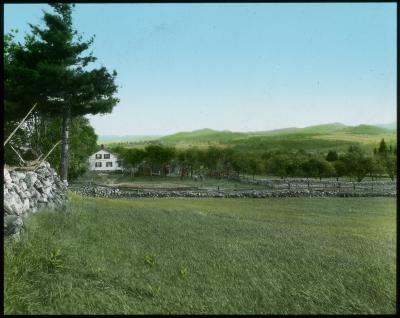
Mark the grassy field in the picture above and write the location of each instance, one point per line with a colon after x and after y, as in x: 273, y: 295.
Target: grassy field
x: 174, y: 182
x: 273, y: 256
x: 126, y: 181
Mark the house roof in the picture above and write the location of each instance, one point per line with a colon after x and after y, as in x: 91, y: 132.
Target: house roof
x: 103, y: 150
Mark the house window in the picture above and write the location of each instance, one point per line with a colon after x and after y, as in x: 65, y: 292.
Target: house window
x: 97, y: 164
x: 98, y: 156
x: 109, y: 164
x: 106, y: 156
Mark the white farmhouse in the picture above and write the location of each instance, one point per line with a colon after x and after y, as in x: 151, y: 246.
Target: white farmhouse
x: 104, y: 160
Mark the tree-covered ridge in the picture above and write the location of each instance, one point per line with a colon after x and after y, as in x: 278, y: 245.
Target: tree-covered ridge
x: 215, y: 136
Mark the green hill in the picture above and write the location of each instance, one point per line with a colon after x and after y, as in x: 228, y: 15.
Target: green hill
x: 202, y: 136
x: 390, y: 126
x: 107, y: 139
x: 313, y: 138
x: 366, y: 130
x: 317, y: 129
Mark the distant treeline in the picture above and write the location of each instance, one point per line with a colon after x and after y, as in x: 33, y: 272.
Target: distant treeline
x: 227, y: 162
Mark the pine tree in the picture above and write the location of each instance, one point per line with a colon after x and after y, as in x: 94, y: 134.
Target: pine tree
x: 332, y: 156
x: 51, y: 70
x: 383, y: 149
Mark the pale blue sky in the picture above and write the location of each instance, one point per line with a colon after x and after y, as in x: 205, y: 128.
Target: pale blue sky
x: 241, y: 67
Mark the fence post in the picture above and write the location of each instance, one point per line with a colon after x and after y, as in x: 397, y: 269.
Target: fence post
x: 354, y: 187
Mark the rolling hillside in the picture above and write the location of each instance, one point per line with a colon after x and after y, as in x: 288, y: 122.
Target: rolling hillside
x: 313, y: 138
x: 206, y: 135
x: 391, y: 126
x: 203, y: 136
x: 106, y: 139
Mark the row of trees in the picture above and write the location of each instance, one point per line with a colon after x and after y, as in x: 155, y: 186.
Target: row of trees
x: 51, y: 68
x: 226, y: 162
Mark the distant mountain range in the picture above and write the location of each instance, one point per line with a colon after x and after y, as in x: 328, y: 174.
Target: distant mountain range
x: 391, y: 126
x: 208, y: 135
x: 125, y: 138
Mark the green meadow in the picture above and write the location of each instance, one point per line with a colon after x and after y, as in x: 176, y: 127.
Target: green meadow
x: 210, y: 256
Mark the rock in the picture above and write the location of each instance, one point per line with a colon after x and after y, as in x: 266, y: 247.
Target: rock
x: 22, y: 195
x: 13, y: 224
x: 16, y: 188
x: 23, y: 185
x: 38, y: 184
x: 26, y: 192
x: 30, y: 178
x: 26, y: 205
x: 7, y: 177
x: 12, y: 203
x: 43, y: 199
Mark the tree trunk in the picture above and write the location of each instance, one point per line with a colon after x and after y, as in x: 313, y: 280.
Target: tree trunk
x: 65, y: 143
x: 38, y: 147
x: 182, y: 173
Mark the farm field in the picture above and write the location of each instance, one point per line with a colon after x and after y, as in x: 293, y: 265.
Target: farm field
x: 167, y: 182
x: 212, y: 256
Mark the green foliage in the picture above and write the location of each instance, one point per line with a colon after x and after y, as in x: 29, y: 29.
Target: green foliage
x: 150, y: 259
x: 356, y: 163
x: 50, y: 68
x: 383, y: 149
x: 158, y: 155
x: 390, y: 165
x: 366, y: 130
x: 227, y: 161
x: 83, y: 143
x: 318, y: 168
x: 332, y: 156
x: 314, y: 138
x: 202, y: 136
x: 340, y: 167
x: 184, y: 272
x: 55, y: 260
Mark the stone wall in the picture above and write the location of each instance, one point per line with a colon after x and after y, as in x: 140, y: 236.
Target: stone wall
x: 113, y: 192
x: 27, y: 192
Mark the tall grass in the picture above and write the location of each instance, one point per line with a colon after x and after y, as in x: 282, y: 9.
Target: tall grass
x: 274, y: 256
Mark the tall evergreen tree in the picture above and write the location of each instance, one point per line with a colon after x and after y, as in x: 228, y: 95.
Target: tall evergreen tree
x: 383, y: 149
x: 332, y: 155
x: 52, y: 70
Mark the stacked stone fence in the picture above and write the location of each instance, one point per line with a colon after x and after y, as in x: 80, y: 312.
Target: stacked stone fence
x: 277, y: 190
x: 26, y: 192
x: 378, y: 186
